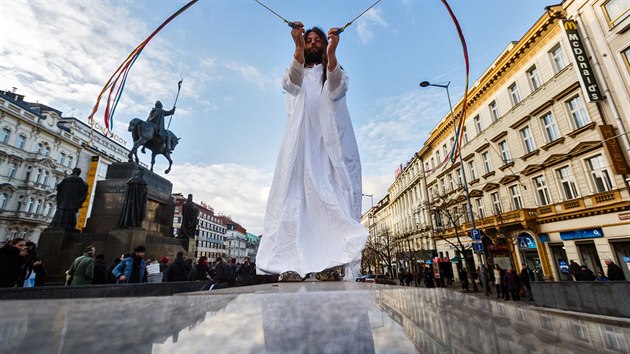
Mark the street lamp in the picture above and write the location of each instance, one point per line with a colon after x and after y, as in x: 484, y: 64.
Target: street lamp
x: 461, y: 162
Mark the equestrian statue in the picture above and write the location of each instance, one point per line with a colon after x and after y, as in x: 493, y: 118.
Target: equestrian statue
x: 152, y: 134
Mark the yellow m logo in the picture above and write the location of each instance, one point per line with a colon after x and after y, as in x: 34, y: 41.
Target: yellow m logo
x: 570, y: 25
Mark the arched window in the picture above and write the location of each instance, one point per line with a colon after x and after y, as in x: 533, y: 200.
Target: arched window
x: 46, y: 150
x: 36, y: 208
x: 29, y: 205
x: 21, y: 141
x: 46, y: 175
x: 38, y: 148
x: 39, y: 175
x: 62, y: 158
x: 5, y: 133
x: 4, y: 198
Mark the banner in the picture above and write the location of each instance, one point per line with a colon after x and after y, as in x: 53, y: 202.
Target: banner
x: 91, y: 176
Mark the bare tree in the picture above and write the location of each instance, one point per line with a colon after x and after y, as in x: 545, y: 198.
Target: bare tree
x: 380, y: 247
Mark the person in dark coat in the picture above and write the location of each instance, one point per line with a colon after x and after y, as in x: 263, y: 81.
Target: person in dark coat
x: 586, y: 274
x: 179, y: 269
x: 220, y: 274
x: 201, y: 271
x: 513, y: 283
x: 110, y: 276
x: 244, y: 273
x: 100, y: 270
x: 574, y: 269
x: 614, y: 271
x: 32, y: 265
x: 463, y: 277
x: 526, y: 276
x: 132, y: 269
x: 12, y: 256
x: 427, y: 276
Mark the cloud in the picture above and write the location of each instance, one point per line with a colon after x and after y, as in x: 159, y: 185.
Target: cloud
x: 233, y: 190
x: 250, y: 74
x: 367, y: 23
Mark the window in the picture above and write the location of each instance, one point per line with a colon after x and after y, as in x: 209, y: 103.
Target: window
x: 567, y: 184
x: 12, y: 170
x: 542, y: 192
x: 46, y: 151
x: 4, y: 135
x: 487, y: 162
x: 459, y: 177
x: 515, y: 95
x: 39, y: 175
x: 534, y: 78
x: 62, y: 158
x: 477, y: 121
x: 53, y: 181
x: 558, y: 58
x: 432, y: 162
x: 505, y: 152
x: 528, y: 140
x: 465, y: 136
x: 517, y: 201
x: 37, y: 206
x: 3, y: 200
x: 47, y: 209
x: 479, y: 204
x: 445, y: 150
x: 46, y: 175
x: 70, y: 161
x: 20, y: 142
x: 626, y: 56
x: 578, y: 112
x: 471, y: 168
x: 38, y: 148
x: 29, y: 205
x: 496, y: 203
x: 451, y: 182
x: 494, y: 110
x: 550, y: 127
x: 616, y: 10
x: 437, y: 156
x: 600, y: 176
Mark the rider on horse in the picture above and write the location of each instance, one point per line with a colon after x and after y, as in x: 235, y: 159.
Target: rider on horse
x: 157, y: 118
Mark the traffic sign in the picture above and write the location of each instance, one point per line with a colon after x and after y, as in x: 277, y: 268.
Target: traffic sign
x: 478, y: 247
x: 475, y: 234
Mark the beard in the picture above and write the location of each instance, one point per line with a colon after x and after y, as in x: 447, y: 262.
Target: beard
x: 313, y: 56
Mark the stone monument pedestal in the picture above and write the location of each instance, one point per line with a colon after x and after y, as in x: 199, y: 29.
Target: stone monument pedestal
x: 58, y: 248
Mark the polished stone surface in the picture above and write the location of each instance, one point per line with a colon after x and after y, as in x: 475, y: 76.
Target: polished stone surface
x: 307, y: 317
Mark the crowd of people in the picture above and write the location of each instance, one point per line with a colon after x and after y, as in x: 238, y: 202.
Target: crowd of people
x: 20, y: 266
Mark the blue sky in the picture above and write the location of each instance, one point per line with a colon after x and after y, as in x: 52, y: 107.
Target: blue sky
x: 232, y: 54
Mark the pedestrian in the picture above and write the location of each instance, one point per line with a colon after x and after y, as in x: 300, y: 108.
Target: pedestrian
x: 513, y: 284
x: 498, y: 276
x: 33, y: 272
x: 401, y: 277
x: 574, y: 269
x: 614, y: 271
x: 244, y: 273
x: 12, y: 256
x: 463, y: 277
x: 220, y: 275
x: 179, y: 269
x: 427, y: 276
x: 81, y: 271
x: 231, y: 273
x: 201, y: 271
x: 100, y: 269
x: 527, y: 275
x: 132, y: 269
x: 164, y: 268
x: 586, y: 274
x: 110, y: 275
x: 312, y: 220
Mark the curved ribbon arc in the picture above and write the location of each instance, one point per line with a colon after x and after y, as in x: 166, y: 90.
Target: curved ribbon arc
x: 456, y: 150
x: 123, y: 71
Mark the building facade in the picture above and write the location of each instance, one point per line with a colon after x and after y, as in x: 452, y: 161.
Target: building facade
x: 235, y: 239
x: 544, y: 157
x: 210, y: 234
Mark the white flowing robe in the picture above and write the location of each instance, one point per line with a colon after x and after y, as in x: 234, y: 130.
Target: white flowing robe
x: 314, y: 206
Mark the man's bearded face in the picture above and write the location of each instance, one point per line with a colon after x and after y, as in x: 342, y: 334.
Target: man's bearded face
x: 313, y: 52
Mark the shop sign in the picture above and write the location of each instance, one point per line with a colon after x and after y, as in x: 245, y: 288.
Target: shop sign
x: 543, y: 237
x: 580, y: 58
x: 525, y: 241
x: 579, y: 234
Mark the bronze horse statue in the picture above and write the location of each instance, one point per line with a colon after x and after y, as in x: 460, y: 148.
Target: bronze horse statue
x: 144, y: 135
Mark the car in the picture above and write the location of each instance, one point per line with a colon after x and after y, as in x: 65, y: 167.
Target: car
x: 361, y: 278
x: 379, y: 279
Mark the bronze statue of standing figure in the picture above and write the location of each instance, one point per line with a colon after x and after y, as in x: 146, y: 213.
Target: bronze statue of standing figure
x: 71, y: 193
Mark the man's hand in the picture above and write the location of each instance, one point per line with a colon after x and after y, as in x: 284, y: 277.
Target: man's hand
x: 122, y: 278
x: 333, y: 41
x: 297, y: 33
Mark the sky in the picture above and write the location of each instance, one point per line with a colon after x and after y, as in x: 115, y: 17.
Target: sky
x: 231, y: 55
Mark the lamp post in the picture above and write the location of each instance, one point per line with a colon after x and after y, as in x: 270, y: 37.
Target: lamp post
x: 371, y: 216
x: 461, y: 162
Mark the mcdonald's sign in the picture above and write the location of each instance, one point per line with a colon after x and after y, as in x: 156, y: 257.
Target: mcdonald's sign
x: 580, y: 59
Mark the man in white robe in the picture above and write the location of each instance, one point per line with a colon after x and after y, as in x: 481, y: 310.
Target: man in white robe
x: 314, y: 206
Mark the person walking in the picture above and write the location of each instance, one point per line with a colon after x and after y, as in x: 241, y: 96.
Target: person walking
x: 463, y: 277
x: 81, y: 271
x: 498, y: 277
x: 614, y: 271
x: 527, y: 275
x: 201, y: 271
x: 513, y: 284
x: 178, y: 270
x: 132, y: 269
x: 312, y: 219
x: 585, y: 274
x: 12, y: 256
x: 244, y: 273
